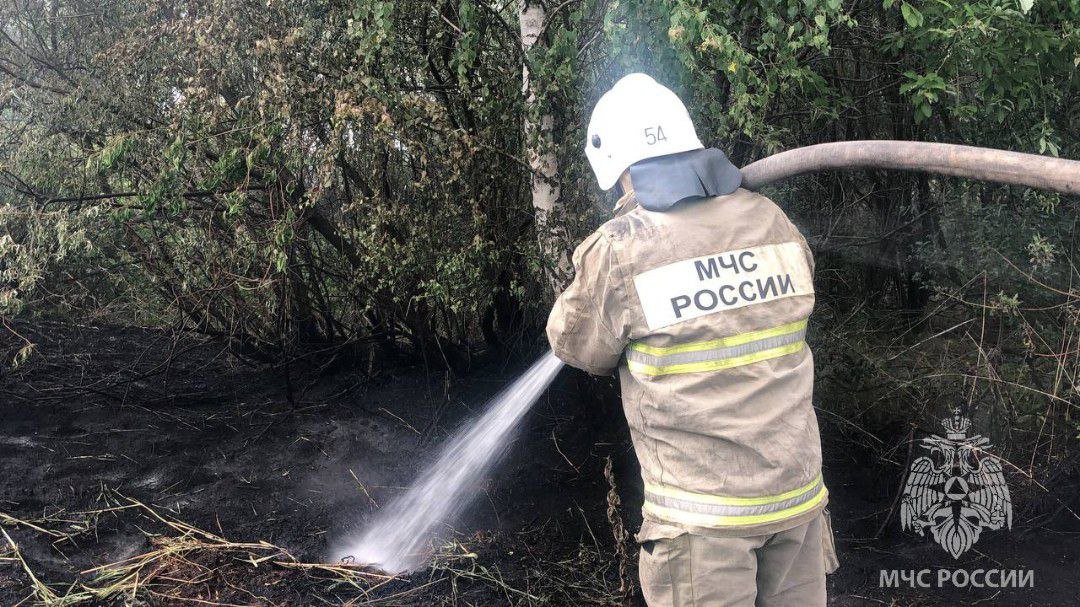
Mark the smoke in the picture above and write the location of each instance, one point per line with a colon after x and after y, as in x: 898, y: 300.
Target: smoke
x: 395, y: 540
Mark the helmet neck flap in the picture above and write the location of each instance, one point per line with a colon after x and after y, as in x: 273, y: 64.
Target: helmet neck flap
x: 661, y: 182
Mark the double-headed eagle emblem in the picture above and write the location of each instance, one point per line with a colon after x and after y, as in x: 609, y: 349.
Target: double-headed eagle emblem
x: 956, y: 490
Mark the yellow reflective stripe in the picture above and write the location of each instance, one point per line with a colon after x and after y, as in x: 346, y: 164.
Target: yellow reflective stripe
x: 725, y: 342
x: 702, y: 498
x: 716, y: 365
x: 711, y: 520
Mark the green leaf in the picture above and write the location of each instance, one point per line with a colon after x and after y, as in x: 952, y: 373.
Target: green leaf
x: 912, y: 16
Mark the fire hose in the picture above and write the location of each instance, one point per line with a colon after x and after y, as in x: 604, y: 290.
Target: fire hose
x: 985, y: 164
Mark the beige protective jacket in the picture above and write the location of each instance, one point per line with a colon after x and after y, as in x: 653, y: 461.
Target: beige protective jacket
x: 703, y: 309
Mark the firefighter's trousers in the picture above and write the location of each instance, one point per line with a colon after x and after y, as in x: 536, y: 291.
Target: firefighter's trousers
x: 785, y: 569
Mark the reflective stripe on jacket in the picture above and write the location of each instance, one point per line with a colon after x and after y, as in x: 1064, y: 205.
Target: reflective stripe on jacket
x: 703, y: 309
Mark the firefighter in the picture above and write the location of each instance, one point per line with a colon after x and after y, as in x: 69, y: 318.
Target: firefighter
x: 699, y: 292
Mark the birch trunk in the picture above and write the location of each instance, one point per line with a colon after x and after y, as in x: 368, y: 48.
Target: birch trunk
x: 540, y: 152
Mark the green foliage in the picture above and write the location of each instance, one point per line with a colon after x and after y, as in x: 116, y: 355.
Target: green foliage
x: 924, y: 90
x: 303, y: 175
x: 286, y: 175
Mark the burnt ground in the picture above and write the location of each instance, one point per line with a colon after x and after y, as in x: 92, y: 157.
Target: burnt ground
x: 140, y: 469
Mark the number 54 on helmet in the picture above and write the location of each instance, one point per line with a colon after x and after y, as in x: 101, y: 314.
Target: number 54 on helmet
x: 638, y: 118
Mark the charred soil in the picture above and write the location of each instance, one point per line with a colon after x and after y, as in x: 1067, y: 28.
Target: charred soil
x: 142, y: 468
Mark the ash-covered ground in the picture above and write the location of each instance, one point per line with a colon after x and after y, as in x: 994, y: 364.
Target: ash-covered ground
x: 139, y: 468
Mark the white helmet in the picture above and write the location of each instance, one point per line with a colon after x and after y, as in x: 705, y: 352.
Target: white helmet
x: 638, y: 118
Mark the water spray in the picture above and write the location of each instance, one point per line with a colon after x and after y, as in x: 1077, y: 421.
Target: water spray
x: 397, y: 539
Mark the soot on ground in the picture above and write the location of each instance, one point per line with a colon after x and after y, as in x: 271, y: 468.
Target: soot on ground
x: 127, y: 444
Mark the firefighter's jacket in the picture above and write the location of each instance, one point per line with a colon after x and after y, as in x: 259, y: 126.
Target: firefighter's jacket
x: 703, y: 310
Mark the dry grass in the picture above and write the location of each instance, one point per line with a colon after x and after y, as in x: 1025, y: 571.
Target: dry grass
x: 43, y: 594
x: 186, y: 565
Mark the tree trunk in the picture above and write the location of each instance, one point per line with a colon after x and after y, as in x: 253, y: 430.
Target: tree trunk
x: 540, y: 151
